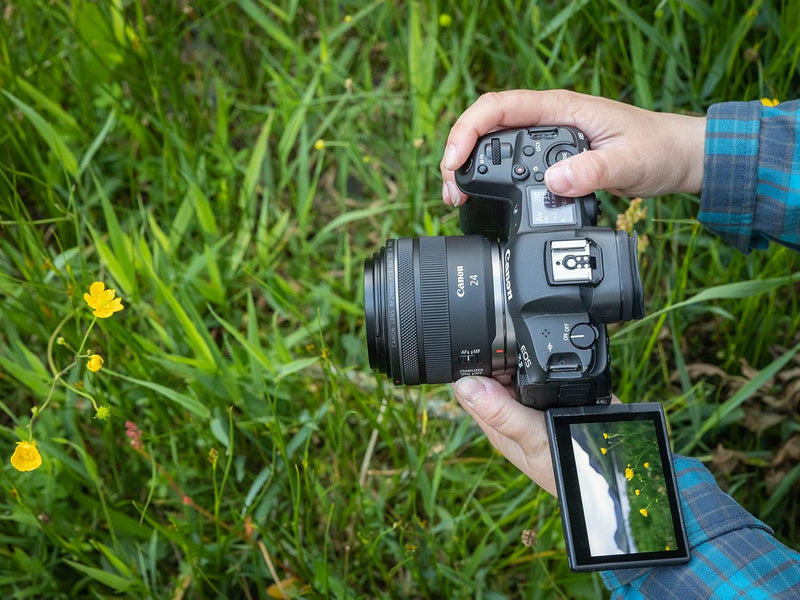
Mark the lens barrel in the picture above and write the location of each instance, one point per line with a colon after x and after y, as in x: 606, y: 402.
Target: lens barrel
x: 435, y: 310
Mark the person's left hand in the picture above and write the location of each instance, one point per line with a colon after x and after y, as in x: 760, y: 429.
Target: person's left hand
x: 517, y: 431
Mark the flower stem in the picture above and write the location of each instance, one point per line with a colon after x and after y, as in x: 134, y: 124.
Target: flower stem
x: 86, y: 337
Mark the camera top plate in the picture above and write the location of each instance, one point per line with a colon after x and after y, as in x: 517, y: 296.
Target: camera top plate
x: 506, y: 171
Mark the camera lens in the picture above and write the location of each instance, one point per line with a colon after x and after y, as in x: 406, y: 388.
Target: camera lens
x: 435, y: 310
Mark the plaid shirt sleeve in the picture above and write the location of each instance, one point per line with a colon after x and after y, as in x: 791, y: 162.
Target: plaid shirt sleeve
x: 751, y: 174
x: 734, y: 555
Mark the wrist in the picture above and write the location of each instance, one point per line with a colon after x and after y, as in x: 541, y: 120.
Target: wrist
x: 688, y: 143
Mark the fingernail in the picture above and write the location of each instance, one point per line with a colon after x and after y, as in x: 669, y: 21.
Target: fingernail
x: 452, y: 193
x: 450, y: 158
x: 559, y: 178
x: 469, y: 390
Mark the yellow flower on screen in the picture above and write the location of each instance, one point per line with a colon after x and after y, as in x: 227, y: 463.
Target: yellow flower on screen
x: 102, y: 300
x: 647, y: 465
x: 628, y: 473
x: 643, y: 511
x: 604, y: 450
x: 770, y: 101
x: 26, y: 457
x: 637, y: 491
x: 95, y: 363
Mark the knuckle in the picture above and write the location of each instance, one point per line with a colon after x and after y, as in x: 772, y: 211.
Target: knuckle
x: 498, y: 417
x: 597, y: 168
x: 490, y: 99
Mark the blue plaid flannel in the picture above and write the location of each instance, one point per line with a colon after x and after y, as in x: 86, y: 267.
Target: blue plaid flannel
x: 751, y: 174
x: 734, y: 555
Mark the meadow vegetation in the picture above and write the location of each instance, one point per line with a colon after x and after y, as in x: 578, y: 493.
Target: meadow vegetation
x: 226, y: 167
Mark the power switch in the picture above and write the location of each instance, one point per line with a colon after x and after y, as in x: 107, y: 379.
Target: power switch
x: 583, y: 336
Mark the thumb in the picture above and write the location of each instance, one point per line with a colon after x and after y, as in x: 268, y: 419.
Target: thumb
x: 588, y: 172
x: 517, y: 431
x: 493, y: 407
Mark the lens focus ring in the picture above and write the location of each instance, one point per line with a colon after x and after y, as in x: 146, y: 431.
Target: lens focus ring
x: 434, y: 309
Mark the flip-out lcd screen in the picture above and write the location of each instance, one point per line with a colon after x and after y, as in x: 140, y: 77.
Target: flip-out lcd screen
x: 616, y: 486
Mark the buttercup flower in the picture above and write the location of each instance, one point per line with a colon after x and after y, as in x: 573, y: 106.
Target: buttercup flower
x: 26, y: 457
x: 102, y: 300
x: 628, y: 473
x: 637, y: 491
x: 95, y: 363
x: 770, y: 101
x: 603, y: 450
x: 647, y: 465
x: 643, y: 511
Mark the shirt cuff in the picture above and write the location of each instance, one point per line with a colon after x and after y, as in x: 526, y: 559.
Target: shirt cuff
x: 708, y: 513
x: 730, y: 173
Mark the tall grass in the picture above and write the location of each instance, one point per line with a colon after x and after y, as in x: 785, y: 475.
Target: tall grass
x: 226, y: 167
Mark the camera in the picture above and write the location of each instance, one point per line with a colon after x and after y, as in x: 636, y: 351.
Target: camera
x: 527, y: 292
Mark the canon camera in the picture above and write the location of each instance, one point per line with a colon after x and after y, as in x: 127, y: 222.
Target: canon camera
x: 527, y: 292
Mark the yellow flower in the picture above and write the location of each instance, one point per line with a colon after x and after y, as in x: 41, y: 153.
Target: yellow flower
x: 637, y: 491
x: 26, y: 457
x: 95, y: 363
x: 643, y: 512
x: 445, y: 20
x: 605, y: 436
x: 628, y: 473
x: 769, y: 101
x: 319, y: 144
x: 603, y: 450
x: 102, y: 300
x: 647, y: 465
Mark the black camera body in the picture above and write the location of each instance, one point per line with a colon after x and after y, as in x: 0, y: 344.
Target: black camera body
x: 527, y: 292
x: 564, y: 277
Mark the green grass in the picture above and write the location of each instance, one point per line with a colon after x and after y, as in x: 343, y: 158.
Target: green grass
x: 171, y: 152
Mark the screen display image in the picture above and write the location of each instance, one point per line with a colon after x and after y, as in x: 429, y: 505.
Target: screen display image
x: 621, y: 480
x: 548, y: 209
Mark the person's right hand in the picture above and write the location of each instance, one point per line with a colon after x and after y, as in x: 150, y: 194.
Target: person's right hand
x: 634, y: 152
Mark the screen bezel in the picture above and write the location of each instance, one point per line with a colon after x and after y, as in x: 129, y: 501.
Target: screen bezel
x: 559, y: 421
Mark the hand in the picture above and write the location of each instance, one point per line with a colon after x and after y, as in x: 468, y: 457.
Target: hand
x: 634, y: 152
x: 517, y: 431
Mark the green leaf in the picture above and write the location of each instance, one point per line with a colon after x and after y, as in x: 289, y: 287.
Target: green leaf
x: 193, y: 405
x: 51, y: 137
x: 115, y: 582
x: 722, y: 413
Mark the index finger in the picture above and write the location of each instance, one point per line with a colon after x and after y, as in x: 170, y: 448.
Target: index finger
x: 501, y: 110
